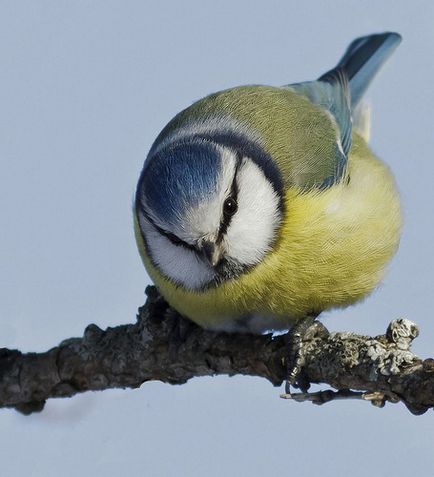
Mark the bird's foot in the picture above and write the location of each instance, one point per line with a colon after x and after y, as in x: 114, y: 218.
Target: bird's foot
x: 302, y: 331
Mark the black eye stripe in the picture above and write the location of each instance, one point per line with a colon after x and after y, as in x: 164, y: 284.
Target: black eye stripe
x: 175, y: 239
x: 170, y: 236
x: 233, y: 195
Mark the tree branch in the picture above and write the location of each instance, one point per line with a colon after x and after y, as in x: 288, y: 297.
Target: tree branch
x: 163, y: 346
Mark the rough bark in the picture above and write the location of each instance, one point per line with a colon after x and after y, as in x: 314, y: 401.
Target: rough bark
x: 163, y: 346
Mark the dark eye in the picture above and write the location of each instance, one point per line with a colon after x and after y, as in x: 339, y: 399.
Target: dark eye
x: 230, y: 206
x: 173, y: 238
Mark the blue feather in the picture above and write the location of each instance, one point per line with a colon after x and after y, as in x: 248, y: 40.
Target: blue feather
x: 178, y: 178
x: 340, y: 89
x: 362, y: 60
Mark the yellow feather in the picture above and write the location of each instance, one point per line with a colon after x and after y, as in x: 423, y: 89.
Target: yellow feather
x: 332, y: 250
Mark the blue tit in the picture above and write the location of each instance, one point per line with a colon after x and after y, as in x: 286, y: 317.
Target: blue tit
x: 260, y: 205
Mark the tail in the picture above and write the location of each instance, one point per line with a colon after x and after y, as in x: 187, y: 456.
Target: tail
x: 340, y: 89
x: 361, y: 62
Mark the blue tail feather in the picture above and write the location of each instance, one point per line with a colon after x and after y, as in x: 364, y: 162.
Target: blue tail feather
x: 362, y: 60
x: 340, y: 89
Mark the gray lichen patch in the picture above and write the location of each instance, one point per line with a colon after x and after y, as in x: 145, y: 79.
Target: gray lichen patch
x: 394, y: 355
x: 402, y: 332
x: 358, y: 355
x: 388, y: 361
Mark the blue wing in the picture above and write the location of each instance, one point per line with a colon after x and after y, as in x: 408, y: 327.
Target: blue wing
x: 340, y: 89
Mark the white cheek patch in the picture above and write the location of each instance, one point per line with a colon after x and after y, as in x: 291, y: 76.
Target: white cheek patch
x: 175, y: 261
x: 253, y: 227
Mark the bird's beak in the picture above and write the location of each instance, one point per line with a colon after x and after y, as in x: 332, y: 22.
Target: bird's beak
x: 212, y: 252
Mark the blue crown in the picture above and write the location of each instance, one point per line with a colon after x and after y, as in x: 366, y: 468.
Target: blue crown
x: 179, y: 177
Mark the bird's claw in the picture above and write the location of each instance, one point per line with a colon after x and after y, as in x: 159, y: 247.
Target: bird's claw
x: 306, y: 328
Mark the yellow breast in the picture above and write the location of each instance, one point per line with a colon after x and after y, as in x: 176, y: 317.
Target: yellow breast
x: 332, y: 250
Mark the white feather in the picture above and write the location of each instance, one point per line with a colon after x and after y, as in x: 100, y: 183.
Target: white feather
x: 211, y: 126
x: 176, y: 262
x: 362, y: 120
x: 253, y: 227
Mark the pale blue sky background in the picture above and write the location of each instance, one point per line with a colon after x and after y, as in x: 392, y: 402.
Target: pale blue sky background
x: 84, y: 89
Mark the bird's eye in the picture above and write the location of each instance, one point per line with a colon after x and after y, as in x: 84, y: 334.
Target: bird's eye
x: 173, y: 238
x: 230, y: 206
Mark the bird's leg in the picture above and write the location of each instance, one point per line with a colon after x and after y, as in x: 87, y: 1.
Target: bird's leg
x: 295, y: 358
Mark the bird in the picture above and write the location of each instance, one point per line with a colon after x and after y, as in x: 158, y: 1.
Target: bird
x: 258, y: 206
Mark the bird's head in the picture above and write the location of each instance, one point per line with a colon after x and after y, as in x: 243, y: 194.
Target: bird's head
x: 207, y: 212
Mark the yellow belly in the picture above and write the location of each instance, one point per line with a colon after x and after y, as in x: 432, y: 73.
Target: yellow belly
x: 332, y: 251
